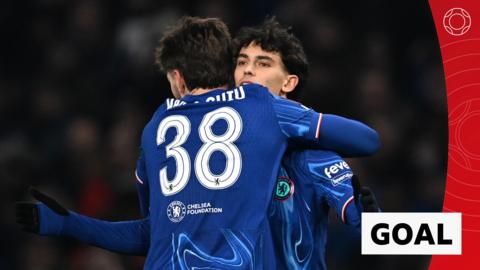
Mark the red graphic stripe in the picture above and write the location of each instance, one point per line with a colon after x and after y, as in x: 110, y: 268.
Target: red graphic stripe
x: 461, y: 63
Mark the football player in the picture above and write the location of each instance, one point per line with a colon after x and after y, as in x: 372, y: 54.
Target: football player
x: 310, y: 182
x: 208, y: 163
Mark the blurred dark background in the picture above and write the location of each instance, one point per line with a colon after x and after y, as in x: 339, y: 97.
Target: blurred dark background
x: 77, y: 85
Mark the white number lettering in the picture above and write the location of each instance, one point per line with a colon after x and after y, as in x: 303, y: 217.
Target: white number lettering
x: 222, y: 143
x: 174, y: 149
x: 211, y: 143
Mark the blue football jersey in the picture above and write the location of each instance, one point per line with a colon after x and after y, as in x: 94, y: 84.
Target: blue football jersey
x: 210, y: 163
x: 207, y: 167
x: 310, y: 183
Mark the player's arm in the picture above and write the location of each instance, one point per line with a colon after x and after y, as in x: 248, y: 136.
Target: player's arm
x: 332, y: 178
x: 51, y: 219
x: 347, y: 137
x: 142, y: 185
x: 143, y: 199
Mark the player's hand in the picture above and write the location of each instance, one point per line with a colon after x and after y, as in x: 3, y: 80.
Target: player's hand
x: 27, y: 213
x: 365, y: 196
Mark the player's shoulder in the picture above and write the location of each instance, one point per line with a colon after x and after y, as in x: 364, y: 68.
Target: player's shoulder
x: 254, y: 89
x: 321, y: 155
x: 161, y: 109
x: 314, y: 155
x: 152, y: 122
x: 264, y: 92
x: 322, y: 164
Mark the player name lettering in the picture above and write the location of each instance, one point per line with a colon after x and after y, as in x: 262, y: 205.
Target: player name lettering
x: 225, y: 96
x: 230, y: 95
x: 172, y: 103
x: 335, y: 168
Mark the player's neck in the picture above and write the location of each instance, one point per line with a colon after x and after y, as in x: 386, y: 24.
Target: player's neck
x: 199, y: 91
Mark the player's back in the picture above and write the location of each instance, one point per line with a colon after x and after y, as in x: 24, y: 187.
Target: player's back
x: 210, y: 161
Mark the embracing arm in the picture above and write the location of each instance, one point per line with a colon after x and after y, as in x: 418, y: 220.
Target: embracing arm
x: 49, y: 218
x: 348, y: 138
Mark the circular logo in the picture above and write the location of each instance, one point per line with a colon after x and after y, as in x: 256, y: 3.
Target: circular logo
x: 457, y: 21
x: 176, y: 211
x: 284, y: 189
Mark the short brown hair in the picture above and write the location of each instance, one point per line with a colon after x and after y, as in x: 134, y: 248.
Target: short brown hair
x: 200, y: 48
x: 271, y: 36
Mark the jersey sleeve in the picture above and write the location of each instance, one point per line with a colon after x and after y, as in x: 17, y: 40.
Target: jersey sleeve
x: 332, y: 182
x: 130, y: 237
x: 141, y: 170
x: 347, y: 137
x: 297, y: 121
x: 142, y: 185
x: 143, y: 199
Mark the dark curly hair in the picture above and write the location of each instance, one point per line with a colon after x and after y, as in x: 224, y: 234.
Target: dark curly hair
x: 271, y: 36
x: 200, y: 48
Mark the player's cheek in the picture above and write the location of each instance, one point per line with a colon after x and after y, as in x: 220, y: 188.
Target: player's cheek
x: 237, y: 75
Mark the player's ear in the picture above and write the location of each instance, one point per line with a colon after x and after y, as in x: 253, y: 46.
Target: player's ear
x: 290, y: 83
x: 182, y: 86
x: 177, y: 83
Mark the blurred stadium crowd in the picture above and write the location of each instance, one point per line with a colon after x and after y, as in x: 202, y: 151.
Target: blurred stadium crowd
x: 77, y: 85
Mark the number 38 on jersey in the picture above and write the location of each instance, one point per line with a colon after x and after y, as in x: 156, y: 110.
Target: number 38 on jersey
x: 223, y: 143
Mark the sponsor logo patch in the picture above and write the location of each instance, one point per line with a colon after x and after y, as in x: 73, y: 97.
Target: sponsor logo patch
x: 338, y: 172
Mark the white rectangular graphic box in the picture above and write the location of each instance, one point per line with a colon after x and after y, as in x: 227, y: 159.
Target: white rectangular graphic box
x: 412, y: 233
